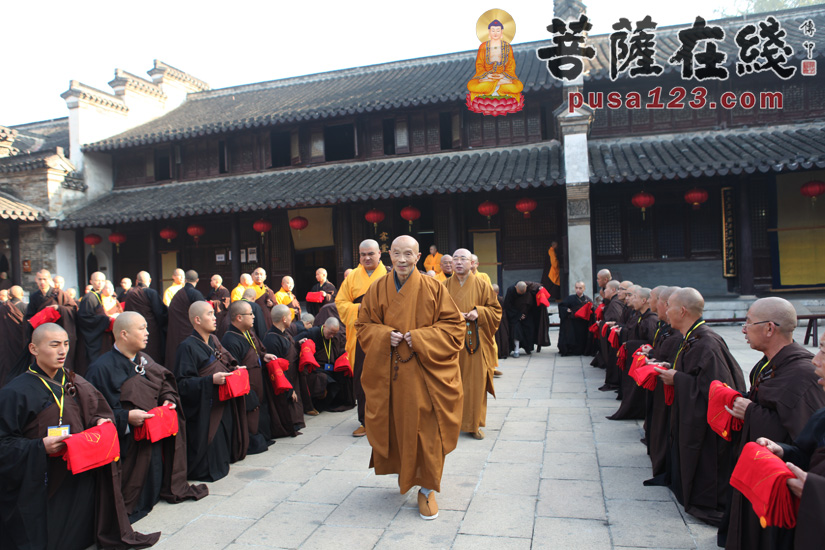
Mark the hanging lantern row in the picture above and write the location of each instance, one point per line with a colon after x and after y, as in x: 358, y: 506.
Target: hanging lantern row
x: 812, y: 190
x: 196, y: 231
x: 488, y: 209
x: 92, y: 239
x: 168, y: 233
x: 525, y: 206
x: 410, y: 213
x: 117, y: 239
x: 298, y: 223
x: 643, y: 200
x: 696, y: 197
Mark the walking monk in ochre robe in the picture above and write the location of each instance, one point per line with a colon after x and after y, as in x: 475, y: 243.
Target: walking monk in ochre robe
x: 42, y: 504
x: 411, y: 332
x: 133, y: 384
x: 348, y: 302
x: 481, y: 310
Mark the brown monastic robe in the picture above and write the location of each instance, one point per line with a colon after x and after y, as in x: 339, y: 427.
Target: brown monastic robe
x: 613, y: 311
x: 67, y: 307
x: 178, y: 326
x: 148, y: 303
x: 503, y: 333
x: 414, y: 396
x: 269, y: 295
x: 13, y: 341
x: 478, y: 356
x: 282, y: 345
x: 665, y: 346
x: 640, y: 332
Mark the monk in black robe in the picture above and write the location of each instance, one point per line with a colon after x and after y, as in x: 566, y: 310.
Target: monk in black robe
x: 220, y: 297
x: 216, y: 431
x: 503, y: 332
x: 529, y: 325
x: 179, y: 326
x: 330, y: 390
x: 700, y: 459
x: 133, y: 383
x: 783, y: 395
x: 639, y: 333
x: 574, y: 333
x: 615, y: 311
x: 13, y: 341
x: 48, y: 296
x: 279, y: 342
x: 93, y: 325
x: 267, y: 414
x: 67, y: 510
x: 323, y: 285
x: 145, y: 300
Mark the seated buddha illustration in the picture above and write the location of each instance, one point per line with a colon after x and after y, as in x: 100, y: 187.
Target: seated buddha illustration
x: 495, y: 90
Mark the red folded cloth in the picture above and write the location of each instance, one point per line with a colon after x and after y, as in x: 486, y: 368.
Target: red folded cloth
x: 720, y: 420
x: 342, y: 365
x: 280, y: 384
x: 605, y: 328
x: 621, y: 356
x: 164, y: 424
x: 45, y: 315
x: 614, y: 337
x: 307, y: 361
x: 645, y: 376
x: 237, y: 385
x: 315, y: 297
x: 762, y: 477
x: 542, y: 297
x: 669, y: 394
x: 92, y: 448
x: 600, y: 312
x: 585, y: 311
x: 122, y: 306
x: 639, y: 360
x: 111, y: 324
x: 594, y: 330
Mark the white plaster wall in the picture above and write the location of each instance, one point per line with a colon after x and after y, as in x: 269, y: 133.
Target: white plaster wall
x: 98, y: 175
x: 89, y: 123
x: 66, y: 259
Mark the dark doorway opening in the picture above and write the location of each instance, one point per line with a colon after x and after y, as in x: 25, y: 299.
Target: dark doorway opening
x: 306, y: 262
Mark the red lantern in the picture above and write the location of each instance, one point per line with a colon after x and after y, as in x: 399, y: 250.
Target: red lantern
x: 812, y: 190
x: 643, y: 200
x: 298, y: 223
x: 489, y: 209
x: 168, y: 233
x: 375, y: 217
x: 410, y: 213
x: 526, y: 206
x: 196, y: 231
x: 92, y: 239
x: 117, y: 239
x: 696, y: 197
x: 262, y: 226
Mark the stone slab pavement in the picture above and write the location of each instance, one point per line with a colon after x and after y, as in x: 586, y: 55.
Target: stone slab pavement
x: 552, y: 473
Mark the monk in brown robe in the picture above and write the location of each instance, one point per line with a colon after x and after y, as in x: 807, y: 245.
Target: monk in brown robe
x: 133, y: 383
x: 412, y: 333
x: 48, y: 296
x: 279, y: 341
x: 783, y: 395
x: 614, y: 311
x: 329, y: 390
x: 503, y: 331
x: 13, y: 341
x: 482, y: 313
x: 700, y: 459
x: 94, y: 338
x: 179, y: 326
x: 42, y: 504
x: 145, y: 300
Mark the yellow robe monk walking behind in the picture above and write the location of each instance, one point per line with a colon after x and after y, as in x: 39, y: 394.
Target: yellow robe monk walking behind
x: 478, y: 355
x: 413, y: 411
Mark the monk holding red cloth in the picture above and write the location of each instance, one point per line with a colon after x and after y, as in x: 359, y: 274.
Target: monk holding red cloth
x: 134, y: 385
x: 700, y: 459
x: 279, y: 342
x: 323, y: 289
x: 39, y: 410
x: 216, y: 431
x: 330, y: 390
x: 412, y: 333
x: 348, y: 302
x: 762, y: 477
x: 720, y: 398
x: 146, y: 301
x: 606, y: 356
x: 482, y: 313
x: 45, y: 297
x: 575, y: 313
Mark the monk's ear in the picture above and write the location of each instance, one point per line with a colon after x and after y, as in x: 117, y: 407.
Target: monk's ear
x: 33, y: 349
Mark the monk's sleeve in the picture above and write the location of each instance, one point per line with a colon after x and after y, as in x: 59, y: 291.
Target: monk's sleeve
x: 438, y: 344
x: 373, y: 334
x: 347, y: 309
x: 809, y: 526
x: 67, y: 310
x: 168, y: 387
x: 785, y: 416
x: 100, y: 377
x: 19, y: 456
x: 93, y: 403
x: 489, y: 312
x: 194, y: 389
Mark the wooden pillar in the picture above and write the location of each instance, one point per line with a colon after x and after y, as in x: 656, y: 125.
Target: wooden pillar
x: 453, y: 239
x: 14, y: 243
x: 746, y: 285
x: 345, y: 212
x: 235, y: 243
x: 80, y: 258
x: 154, y: 264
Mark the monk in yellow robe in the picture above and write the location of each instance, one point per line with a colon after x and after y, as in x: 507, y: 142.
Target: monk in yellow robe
x: 286, y: 297
x: 446, y: 269
x: 495, y: 67
x: 348, y: 302
x: 237, y: 292
x: 480, y: 274
x: 433, y: 261
x: 412, y: 332
x: 482, y: 313
x: 177, y: 284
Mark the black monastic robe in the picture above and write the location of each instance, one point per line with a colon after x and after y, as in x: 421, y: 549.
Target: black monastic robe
x: 330, y: 390
x: 148, y: 303
x: 574, y: 334
x: 327, y: 287
x: 179, y: 326
x: 93, y: 324
x: 641, y: 331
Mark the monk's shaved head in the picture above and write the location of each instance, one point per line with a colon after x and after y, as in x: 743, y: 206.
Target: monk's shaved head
x: 690, y: 299
x: 249, y: 294
x: 614, y: 285
x: 128, y: 320
x: 369, y: 244
x: 665, y: 293
x: 279, y: 312
x: 198, y: 309
x: 191, y: 276
x: 463, y: 252
x: 246, y: 279
x: 642, y: 292
x: 143, y: 278
x: 521, y: 287
x: 332, y: 322
x: 16, y: 292
x: 239, y: 307
x: 48, y: 332
x: 405, y: 241
x: 775, y: 309
x: 496, y: 288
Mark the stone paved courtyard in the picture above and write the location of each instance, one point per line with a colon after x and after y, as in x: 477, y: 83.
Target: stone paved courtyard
x: 553, y: 472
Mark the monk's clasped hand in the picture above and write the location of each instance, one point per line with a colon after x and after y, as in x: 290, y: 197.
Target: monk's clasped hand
x: 395, y: 338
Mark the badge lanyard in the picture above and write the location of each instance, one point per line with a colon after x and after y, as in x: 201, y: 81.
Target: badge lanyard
x: 685, y: 342
x: 328, y: 349
x: 60, y: 401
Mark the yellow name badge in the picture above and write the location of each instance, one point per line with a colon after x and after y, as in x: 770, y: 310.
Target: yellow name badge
x: 57, y: 431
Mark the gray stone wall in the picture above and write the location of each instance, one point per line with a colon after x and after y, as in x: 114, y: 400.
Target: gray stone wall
x: 37, y: 244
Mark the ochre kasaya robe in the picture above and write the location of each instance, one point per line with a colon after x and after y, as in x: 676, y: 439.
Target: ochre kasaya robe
x: 413, y: 412
x: 433, y: 262
x: 288, y: 299
x: 478, y: 357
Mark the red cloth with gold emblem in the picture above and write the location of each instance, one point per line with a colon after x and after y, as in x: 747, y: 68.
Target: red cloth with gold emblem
x: 92, y: 448
x: 163, y: 424
x: 762, y: 477
x: 237, y: 385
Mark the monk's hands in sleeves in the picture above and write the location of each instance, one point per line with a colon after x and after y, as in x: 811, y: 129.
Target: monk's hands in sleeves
x: 395, y: 338
x: 55, y: 443
x: 470, y: 316
x: 740, y: 405
x: 771, y: 446
x: 408, y: 338
x: 269, y: 357
x: 167, y: 403
x: 219, y: 378
x: 137, y: 417
x: 797, y: 484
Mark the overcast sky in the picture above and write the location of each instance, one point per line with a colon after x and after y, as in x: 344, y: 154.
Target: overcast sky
x: 232, y: 43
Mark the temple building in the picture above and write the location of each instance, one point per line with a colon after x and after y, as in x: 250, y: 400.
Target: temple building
x: 292, y: 174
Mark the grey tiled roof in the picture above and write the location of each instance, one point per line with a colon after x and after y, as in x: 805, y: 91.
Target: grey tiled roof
x: 12, y: 208
x: 458, y: 172
x: 43, y: 135
x: 431, y: 80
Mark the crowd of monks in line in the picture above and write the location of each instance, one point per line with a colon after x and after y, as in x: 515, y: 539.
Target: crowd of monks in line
x: 668, y: 366
x: 415, y: 351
